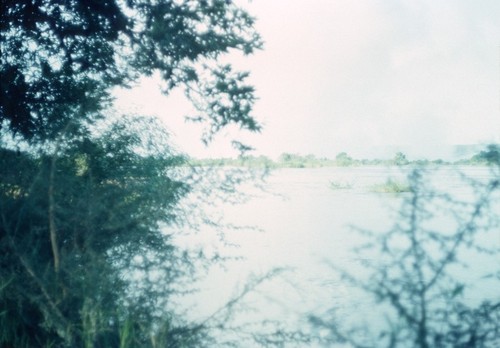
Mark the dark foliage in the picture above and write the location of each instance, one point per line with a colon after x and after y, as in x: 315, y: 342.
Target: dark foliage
x: 84, y: 199
x: 73, y: 223
x: 60, y: 58
x: 416, y: 271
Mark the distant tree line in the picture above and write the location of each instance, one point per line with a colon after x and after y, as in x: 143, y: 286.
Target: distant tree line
x: 291, y: 160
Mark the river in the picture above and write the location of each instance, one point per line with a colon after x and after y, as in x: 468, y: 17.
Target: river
x: 304, y: 221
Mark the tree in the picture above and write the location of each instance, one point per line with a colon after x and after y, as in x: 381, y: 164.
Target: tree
x: 490, y: 156
x: 72, y: 226
x: 343, y: 159
x: 414, y: 273
x: 61, y: 58
x: 84, y: 196
x: 400, y: 159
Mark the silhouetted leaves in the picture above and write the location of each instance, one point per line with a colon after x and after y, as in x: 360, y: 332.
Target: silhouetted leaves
x: 415, y: 271
x: 84, y: 198
x: 60, y: 59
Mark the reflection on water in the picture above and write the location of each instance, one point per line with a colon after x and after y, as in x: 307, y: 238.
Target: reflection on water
x: 304, y: 225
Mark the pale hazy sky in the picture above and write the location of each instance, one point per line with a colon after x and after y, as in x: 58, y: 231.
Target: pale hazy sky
x: 343, y: 75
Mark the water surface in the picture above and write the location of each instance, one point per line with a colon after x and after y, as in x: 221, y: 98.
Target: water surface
x: 304, y: 225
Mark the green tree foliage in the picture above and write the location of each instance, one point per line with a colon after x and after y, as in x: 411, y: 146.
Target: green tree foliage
x: 400, y: 159
x: 490, y: 156
x: 343, y: 159
x: 61, y: 58
x: 84, y: 196
x: 75, y: 226
x: 292, y: 160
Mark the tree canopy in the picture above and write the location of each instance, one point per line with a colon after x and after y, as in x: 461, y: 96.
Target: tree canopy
x: 61, y: 58
x: 85, y: 195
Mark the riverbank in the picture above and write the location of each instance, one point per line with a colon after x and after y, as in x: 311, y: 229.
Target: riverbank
x: 288, y: 160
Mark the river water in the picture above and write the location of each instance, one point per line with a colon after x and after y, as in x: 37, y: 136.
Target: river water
x: 304, y: 221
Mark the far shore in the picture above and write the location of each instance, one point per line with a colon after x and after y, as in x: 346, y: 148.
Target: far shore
x: 286, y: 160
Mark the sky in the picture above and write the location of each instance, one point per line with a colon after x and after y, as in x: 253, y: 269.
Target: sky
x: 367, y: 77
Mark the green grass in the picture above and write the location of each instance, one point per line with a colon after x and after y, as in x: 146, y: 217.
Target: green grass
x: 390, y: 186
